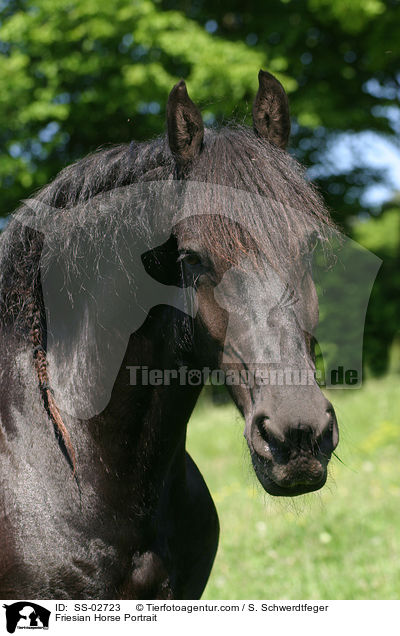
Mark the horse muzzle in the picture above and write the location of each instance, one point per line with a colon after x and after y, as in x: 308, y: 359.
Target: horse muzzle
x: 291, y: 458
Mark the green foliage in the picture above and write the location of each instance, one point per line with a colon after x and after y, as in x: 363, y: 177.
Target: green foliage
x: 317, y: 546
x: 382, y: 236
x: 352, y: 15
x: 75, y: 75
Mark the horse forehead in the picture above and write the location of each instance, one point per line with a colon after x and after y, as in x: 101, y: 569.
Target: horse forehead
x: 248, y: 280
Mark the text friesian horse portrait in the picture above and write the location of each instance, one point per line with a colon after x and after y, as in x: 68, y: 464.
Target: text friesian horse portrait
x: 185, y: 253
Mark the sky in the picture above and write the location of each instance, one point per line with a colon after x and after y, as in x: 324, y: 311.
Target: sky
x: 372, y: 150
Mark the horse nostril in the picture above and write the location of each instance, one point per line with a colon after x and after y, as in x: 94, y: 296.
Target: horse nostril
x: 285, y: 440
x: 330, y: 437
x: 274, y: 439
x: 261, y: 424
x: 330, y: 413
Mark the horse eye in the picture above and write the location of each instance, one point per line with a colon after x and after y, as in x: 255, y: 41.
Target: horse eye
x: 191, y: 259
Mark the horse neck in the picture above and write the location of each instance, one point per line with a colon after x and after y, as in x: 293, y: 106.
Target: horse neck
x: 142, y: 430
x: 134, y: 439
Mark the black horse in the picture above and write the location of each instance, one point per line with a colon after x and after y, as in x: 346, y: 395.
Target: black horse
x: 99, y: 498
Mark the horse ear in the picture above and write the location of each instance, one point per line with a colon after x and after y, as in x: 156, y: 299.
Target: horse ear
x: 184, y: 124
x: 271, y: 110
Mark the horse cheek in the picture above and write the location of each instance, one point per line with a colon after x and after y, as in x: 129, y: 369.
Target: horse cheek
x: 213, y: 317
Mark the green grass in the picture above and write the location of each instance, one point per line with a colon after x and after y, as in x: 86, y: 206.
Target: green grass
x: 340, y: 543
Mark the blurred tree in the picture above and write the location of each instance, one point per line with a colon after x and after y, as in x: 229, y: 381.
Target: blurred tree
x: 382, y: 236
x: 76, y: 75
x: 344, y: 60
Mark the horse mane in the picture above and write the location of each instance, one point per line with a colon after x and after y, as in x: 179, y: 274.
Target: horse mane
x: 232, y: 156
